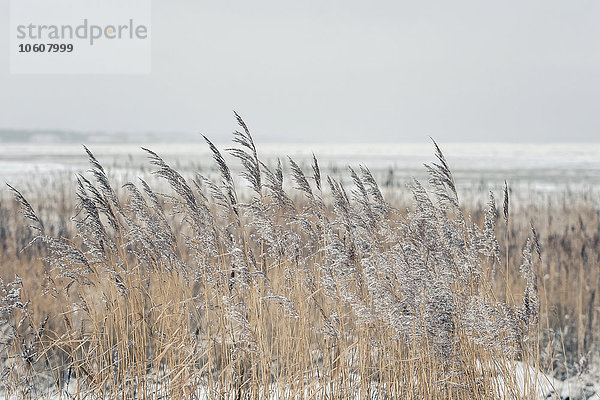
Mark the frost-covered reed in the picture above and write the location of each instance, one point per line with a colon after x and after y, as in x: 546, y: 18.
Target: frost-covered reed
x: 323, y: 291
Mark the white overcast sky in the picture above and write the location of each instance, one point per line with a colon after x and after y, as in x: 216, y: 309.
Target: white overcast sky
x: 340, y: 70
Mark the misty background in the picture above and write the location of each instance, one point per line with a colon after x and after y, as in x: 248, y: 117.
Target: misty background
x: 351, y: 71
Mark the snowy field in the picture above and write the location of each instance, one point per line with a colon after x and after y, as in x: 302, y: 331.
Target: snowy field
x: 582, y: 387
x: 531, y: 169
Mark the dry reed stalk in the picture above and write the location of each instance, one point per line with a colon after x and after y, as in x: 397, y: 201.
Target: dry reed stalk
x: 315, y: 293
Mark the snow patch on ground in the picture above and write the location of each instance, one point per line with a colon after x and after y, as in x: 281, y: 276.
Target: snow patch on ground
x: 581, y: 387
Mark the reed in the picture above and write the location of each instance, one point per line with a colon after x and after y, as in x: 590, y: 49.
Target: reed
x: 211, y: 290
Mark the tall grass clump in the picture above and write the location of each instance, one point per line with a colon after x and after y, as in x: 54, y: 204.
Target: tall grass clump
x: 214, y: 290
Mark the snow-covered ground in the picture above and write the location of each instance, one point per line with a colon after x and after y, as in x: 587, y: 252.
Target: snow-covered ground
x: 538, y: 166
x: 582, y: 387
x: 536, y: 173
